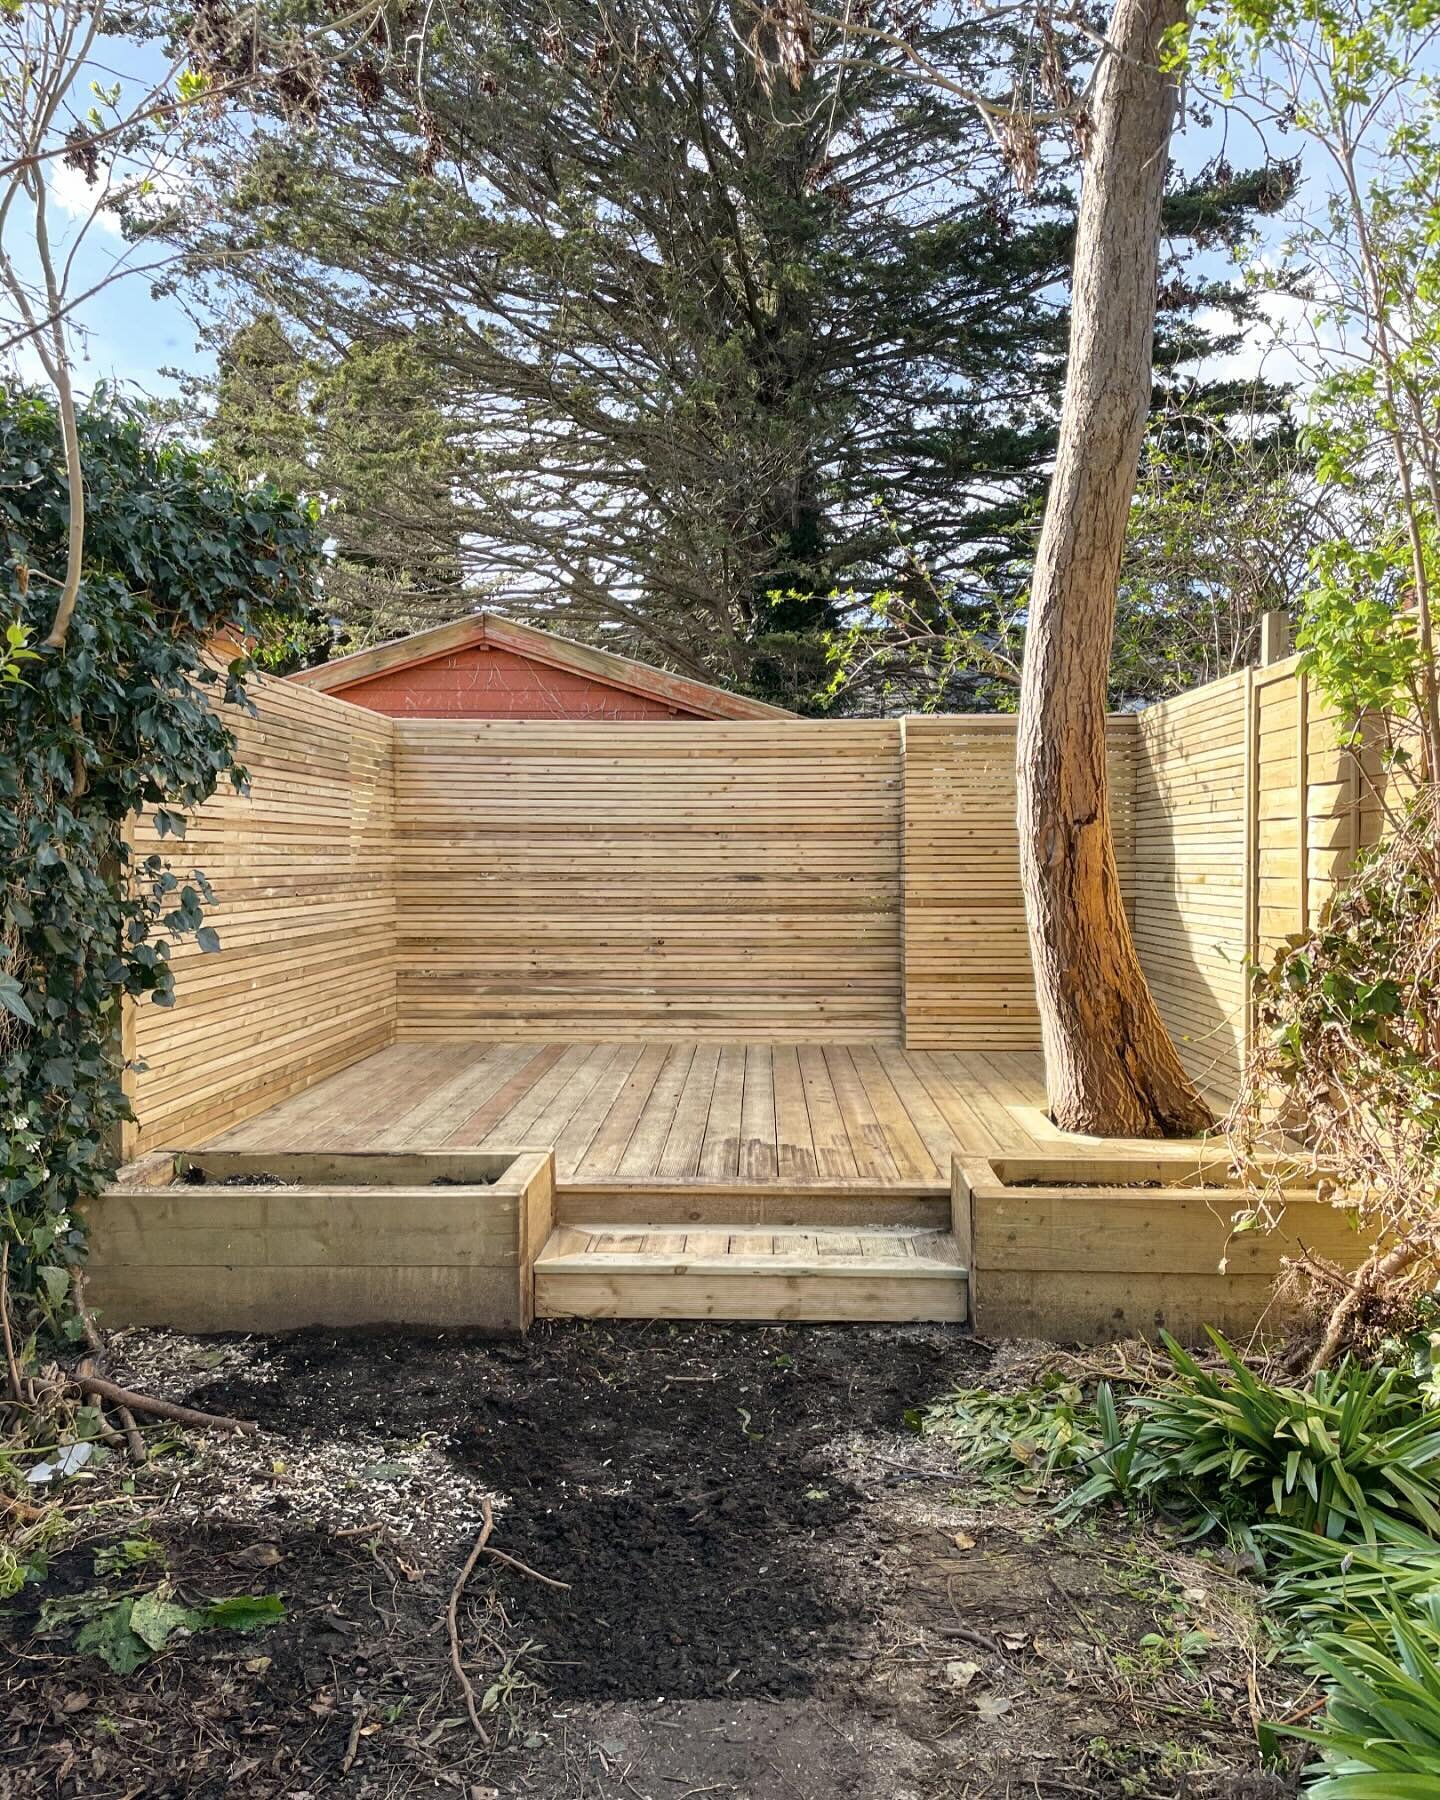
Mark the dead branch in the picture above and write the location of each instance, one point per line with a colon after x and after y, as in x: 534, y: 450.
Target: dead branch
x: 482, y: 1547
x: 105, y: 1431
x: 1375, y: 1275
x: 134, y: 1443
x: 20, y: 1390
x: 22, y: 1509
x: 161, y: 1409
x: 452, y: 1619
x: 525, y: 1569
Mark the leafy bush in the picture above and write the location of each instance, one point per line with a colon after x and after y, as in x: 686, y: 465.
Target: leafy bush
x: 117, y: 720
x: 1345, y: 1053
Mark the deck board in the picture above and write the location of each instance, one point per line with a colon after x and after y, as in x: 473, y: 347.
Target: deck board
x: 676, y: 1112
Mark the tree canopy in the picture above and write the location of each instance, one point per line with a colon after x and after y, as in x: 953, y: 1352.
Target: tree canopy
x: 589, y: 315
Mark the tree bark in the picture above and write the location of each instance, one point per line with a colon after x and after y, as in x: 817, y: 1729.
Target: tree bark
x: 1111, y: 1068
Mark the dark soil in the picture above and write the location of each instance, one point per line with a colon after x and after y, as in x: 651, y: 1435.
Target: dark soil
x: 195, y: 1176
x: 776, y: 1592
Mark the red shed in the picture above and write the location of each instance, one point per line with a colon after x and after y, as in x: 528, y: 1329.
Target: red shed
x: 484, y: 667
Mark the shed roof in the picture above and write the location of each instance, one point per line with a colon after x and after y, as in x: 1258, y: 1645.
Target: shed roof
x: 540, y: 646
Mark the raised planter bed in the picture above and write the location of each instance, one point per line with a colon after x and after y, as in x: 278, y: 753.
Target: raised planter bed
x: 274, y: 1241
x: 1094, y: 1249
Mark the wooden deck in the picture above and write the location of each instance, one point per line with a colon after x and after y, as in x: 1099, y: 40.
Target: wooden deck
x: 753, y: 1180
x: 641, y: 1115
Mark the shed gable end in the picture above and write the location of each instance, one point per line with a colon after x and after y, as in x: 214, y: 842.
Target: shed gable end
x: 482, y: 681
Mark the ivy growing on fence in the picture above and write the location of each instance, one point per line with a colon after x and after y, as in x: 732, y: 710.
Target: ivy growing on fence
x: 119, y: 719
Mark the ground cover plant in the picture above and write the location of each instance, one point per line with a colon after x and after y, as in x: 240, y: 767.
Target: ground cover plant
x: 1324, y: 1490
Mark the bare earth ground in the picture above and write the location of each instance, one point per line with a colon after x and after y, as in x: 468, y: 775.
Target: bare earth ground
x: 776, y: 1590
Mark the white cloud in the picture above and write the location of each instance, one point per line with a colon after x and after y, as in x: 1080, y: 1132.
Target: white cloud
x: 76, y: 198
x: 1282, y: 345
x: 23, y: 365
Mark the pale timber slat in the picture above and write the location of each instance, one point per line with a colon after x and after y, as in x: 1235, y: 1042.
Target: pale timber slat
x: 815, y: 1118
x: 707, y: 882
x: 1249, y: 809
x: 967, y: 977
x: 304, y: 872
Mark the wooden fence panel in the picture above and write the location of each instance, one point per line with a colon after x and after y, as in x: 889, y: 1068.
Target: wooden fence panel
x: 968, y: 980
x: 1322, y: 798
x: 1251, y: 807
x: 1192, y: 833
x: 712, y: 880
x: 788, y: 881
x: 303, y: 868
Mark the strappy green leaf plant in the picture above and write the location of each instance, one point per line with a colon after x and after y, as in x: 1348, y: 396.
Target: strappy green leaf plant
x: 1351, y: 1450
x: 1380, y: 1736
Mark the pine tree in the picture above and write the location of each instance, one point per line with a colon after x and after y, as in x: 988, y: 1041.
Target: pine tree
x: 671, y: 328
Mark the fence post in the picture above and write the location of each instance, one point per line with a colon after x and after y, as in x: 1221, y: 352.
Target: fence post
x: 1274, y: 637
x: 1250, y: 936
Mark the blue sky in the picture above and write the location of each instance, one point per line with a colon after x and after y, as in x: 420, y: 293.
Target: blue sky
x: 125, y: 334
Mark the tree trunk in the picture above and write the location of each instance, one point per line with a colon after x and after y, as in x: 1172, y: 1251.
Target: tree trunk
x: 1111, y: 1068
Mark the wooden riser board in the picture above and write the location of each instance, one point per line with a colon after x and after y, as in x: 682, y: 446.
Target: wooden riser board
x: 683, y: 1205
x: 761, y: 1298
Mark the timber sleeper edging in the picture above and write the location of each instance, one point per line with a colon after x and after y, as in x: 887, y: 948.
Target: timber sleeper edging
x: 431, y: 1239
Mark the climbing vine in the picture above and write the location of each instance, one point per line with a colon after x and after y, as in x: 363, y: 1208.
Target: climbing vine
x: 181, y: 569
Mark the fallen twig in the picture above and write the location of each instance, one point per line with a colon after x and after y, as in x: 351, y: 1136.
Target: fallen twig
x: 105, y: 1431
x: 134, y: 1443
x: 161, y: 1409
x: 969, y: 1636
x: 452, y: 1619
x: 524, y: 1568
x: 20, y: 1392
x: 23, y: 1509
x: 354, y: 1741
x: 481, y: 1547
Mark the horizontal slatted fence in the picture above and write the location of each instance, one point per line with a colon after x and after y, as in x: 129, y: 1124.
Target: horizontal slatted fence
x: 599, y: 880
x: 303, y: 871
x: 968, y: 980
x: 785, y: 881
x: 1318, y: 801
x: 1192, y: 831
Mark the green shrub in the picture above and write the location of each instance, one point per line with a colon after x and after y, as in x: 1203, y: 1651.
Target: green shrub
x: 1380, y: 1736
x: 117, y: 720
x: 1228, y: 1450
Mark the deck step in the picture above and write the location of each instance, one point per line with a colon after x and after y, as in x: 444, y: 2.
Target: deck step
x: 656, y: 1270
